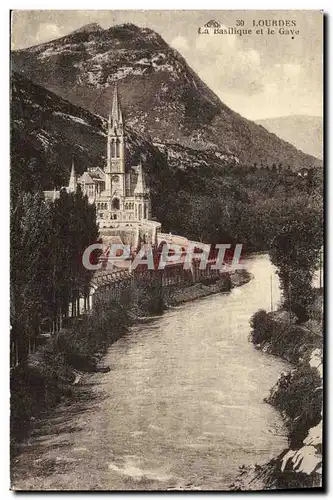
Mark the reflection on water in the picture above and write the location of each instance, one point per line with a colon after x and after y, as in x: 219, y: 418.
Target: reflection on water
x: 182, y: 406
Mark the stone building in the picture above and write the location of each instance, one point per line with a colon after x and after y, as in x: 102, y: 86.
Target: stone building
x: 119, y: 191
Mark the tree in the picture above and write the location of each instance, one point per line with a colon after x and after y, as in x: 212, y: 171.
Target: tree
x: 30, y: 268
x: 74, y: 229
x: 47, y: 243
x: 295, y: 251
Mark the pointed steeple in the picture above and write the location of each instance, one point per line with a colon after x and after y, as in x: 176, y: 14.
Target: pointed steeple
x: 116, y: 116
x: 72, y: 180
x: 115, y: 148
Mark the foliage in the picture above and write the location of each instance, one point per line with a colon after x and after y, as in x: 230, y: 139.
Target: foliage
x: 89, y: 335
x: 299, y: 395
x: 47, y: 242
x: 262, y: 327
x: 295, y: 250
x: 230, y: 204
x: 285, y: 339
x: 30, y: 266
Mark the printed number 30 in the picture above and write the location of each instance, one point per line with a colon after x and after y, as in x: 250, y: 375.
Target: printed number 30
x: 240, y: 22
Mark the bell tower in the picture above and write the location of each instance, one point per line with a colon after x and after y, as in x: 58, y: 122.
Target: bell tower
x: 115, y: 168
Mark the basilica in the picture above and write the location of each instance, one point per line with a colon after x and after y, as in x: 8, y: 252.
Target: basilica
x: 119, y: 190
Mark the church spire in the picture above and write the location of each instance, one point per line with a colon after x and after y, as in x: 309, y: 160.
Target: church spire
x: 72, y: 180
x: 115, y: 149
x: 116, y: 116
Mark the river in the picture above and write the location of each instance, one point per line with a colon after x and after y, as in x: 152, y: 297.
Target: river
x: 182, y: 406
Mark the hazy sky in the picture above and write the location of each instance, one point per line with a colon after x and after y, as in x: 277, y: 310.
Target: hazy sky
x: 259, y: 76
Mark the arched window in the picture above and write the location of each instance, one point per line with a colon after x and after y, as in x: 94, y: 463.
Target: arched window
x: 117, y: 148
x: 140, y: 212
x: 115, y: 204
x: 113, y: 149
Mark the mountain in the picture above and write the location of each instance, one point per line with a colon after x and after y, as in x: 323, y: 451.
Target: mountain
x: 163, y: 98
x: 304, y: 132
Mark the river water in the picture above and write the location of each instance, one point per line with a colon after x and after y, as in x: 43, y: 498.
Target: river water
x: 182, y: 406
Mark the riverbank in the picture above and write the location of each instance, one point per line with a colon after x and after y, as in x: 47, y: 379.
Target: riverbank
x: 298, y: 396
x: 52, y: 373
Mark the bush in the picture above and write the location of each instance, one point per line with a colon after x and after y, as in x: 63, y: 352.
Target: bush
x: 299, y: 395
x: 91, y: 334
x: 288, y: 340
x: 262, y: 327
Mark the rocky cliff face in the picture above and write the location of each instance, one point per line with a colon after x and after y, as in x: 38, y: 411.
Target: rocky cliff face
x: 163, y: 98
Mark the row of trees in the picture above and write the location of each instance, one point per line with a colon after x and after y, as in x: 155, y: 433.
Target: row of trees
x: 254, y: 224
x: 47, y: 242
x: 278, y: 167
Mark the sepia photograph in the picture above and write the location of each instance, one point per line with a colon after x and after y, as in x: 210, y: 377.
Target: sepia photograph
x: 166, y: 250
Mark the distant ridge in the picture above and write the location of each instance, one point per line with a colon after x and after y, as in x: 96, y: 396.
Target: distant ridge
x: 303, y: 131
